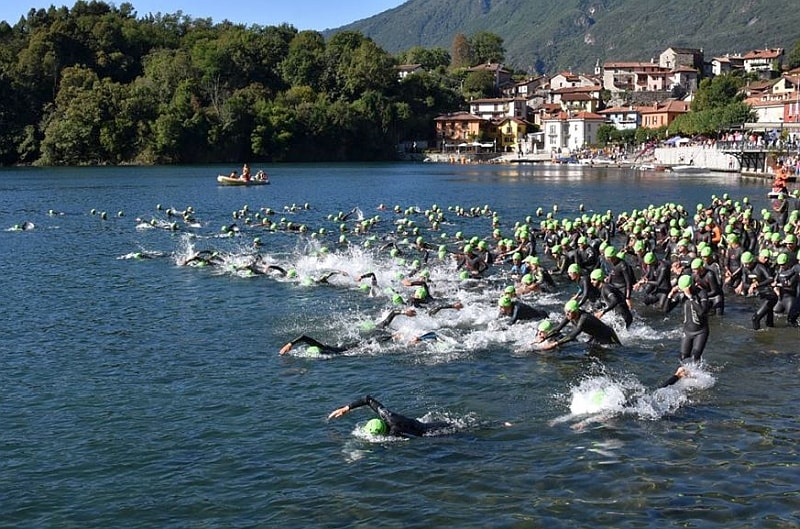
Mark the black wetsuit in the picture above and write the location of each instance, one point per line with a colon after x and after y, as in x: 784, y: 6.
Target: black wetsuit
x: 786, y: 283
x: 399, y: 425
x: 708, y: 281
x: 657, y: 284
x: 614, y: 299
x: 600, y: 332
x: 586, y: 291
x: 695, y: 325
x: 761, y: 276
x: 621, y: 276
x: 523, y: 312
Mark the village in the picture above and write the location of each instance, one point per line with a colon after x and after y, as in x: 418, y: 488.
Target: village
x: 557, y: 118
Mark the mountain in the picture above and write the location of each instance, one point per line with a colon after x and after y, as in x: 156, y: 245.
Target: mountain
x: 547, y: 36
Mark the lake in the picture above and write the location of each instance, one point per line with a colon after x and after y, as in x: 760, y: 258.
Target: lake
x: 140, y: 393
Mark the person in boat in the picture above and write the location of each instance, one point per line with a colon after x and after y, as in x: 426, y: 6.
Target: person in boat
x: 389, y: 423
x: 246, y: 173
x: 233, y: 174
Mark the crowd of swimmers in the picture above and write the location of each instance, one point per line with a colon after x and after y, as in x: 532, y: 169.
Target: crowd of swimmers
x: 663, y: 257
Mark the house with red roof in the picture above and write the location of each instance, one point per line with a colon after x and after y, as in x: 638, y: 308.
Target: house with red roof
x: 571, y: 131
x: 763, y: 61
x: 662, y: 114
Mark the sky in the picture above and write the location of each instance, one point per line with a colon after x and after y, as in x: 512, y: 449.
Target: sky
x: 302, y: 14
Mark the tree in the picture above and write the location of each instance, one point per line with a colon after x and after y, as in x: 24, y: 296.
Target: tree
x: 486, y: 48
x: 793, y: 57
x: 717, y: 92
x: 461, y: 52
x: 479, y: 84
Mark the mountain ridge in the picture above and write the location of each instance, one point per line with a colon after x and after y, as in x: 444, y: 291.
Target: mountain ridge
x: 541, y: 36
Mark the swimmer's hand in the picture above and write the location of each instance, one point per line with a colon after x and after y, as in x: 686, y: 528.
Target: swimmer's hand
x: 285, y: 349
x: 338, y: 412
x: 550, y: 344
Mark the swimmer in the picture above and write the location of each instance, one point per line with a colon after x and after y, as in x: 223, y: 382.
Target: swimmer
x: 389, y: 423
x: 518, y: 311
x: 583, y: 322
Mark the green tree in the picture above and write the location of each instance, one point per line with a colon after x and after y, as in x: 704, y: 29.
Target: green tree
x: 717, y: 92
x: 793, y: 57
x: 479, y: 84
x: 305, y: 60
x: 487, y: 47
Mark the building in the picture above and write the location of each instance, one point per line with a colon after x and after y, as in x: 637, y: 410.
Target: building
x: 763, y: 61
x: 497, y: 108
x: 673, y: 58
x: 571, y: 132
x: 502, y: 77
x: 458, y: 127
x: 623, y: 118
x: 726, y: 64
x: 662, y: 114
x: 404, y: 70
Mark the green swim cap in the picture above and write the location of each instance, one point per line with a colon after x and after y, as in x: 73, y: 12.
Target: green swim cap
x: 464, y: 274
x: 649, y: 258
x: 574, y: 268
x: 532, y: 259
x: 782, y: 259
x: 314, y: 350
x: 597, y: 275
x: 747, y: 257
x: 292, y: 273
x: 467, y: 248
x: 706, y: 252
x: 397, y: 299
x: 765, y: 253
x: 527, y: 279
x: 697, y: 264
x: 545, y: 326
x: 571, y: 306
x: 685, y: 281
x: 510, y: 290
x: 504, y: 301
x: 421, y: 293
x: 610, y: 251
x: 364, y: 287
x: 376, y: 427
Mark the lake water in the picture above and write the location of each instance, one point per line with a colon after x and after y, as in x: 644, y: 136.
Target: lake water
x: 140, y: 393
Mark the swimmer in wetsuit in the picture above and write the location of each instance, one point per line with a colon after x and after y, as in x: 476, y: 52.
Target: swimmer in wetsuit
x: 391, y: 423
x: 379, y: 335
x: 518, y: 311
x: 695, y: 318
x: 583, y: 322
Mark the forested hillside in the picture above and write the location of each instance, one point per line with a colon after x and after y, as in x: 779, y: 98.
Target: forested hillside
x: 547, y: 35
x: 95, y: 84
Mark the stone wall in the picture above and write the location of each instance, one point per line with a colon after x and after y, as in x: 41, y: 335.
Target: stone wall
x: 706, y: 157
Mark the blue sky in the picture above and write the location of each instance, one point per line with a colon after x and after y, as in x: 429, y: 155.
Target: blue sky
x: 302, y: 14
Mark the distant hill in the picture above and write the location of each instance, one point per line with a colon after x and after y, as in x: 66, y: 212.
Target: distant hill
x: 552, y: 35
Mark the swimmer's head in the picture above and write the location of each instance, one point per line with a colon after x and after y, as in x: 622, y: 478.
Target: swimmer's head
x: 575, y: 269
x: 504, y: 302
x: 571, y: 307
x: 376, y: 427
x: 545, y: 326
x: 597, y: 275
x: 313, y: 349
x: 685, y: 281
